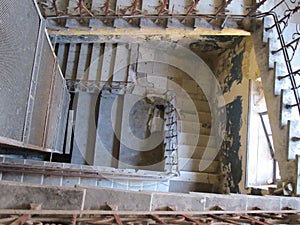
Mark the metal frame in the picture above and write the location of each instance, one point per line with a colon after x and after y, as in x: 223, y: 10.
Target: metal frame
x: 169, y: 216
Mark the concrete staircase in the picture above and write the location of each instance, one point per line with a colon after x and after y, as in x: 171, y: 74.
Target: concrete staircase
x: 107, y: 14
x: 127, y: 62
x: 284, y: 120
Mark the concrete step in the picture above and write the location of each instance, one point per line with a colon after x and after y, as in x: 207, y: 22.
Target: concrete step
x: 288, y: 98
x: 197, y: 177
x: 108, y: 62
x: 194, y: 139
x: 84, y: 129
x: 135, y: 185
x: 122, y: 60
x: 192, y: 165
x: 132, y: 70
x: 195, y: 152
x: 73, y: 9
x: 279, y: 84
x: 107, y: 147
x: 61, y: 51
x: 203, y: 117
x: 83, y: 62
x: 72, y: 61
x: 208, y: 6
x: 294, y: 139
x: 238, y: 7
x: 96, y: 59
x: 184, y: 104
x: 193, y: 127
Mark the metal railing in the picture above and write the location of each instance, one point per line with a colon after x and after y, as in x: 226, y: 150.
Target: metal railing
x: 280, y: 26
x: 171, y: 136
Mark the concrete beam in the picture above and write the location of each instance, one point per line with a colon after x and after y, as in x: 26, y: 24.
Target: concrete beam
x: 17, y: 195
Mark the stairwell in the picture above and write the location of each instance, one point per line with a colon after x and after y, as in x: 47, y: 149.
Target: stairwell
x: 152, y: 78
x: 107, y: 73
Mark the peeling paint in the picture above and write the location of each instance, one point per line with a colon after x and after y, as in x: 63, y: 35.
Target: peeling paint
x: 232, y: 162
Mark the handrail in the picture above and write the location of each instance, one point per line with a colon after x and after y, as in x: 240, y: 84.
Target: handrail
x: 171, y: 139
x: 284, y: 48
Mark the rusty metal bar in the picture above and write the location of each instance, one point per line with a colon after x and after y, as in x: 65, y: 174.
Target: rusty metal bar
x: 257, y: 6
x: 133, y: 7
x: 187, y: 217
x: 144, y: 213
x: 223, y: 7
x: 162, y: 7
x: 255, y: 221
x: 106, y: 7
x: 116, y: 216
x: 224, y: 219
x: 193, y: 6
x: 146, y: 16
x: 73, y: 221
x: 156, y: 218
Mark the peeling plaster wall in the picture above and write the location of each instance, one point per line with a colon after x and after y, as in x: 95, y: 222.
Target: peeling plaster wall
x: 233, y: 70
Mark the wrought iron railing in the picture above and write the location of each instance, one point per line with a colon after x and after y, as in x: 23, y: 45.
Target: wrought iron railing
x: 171, y: 136
x: 280, y: 26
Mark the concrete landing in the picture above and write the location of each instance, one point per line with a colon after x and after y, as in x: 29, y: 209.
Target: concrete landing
x: 20, y: 196
x: 16, y: 196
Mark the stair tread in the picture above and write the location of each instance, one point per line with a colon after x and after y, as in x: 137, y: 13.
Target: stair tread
x: 192, y: 165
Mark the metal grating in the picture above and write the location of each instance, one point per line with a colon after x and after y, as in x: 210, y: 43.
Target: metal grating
x: 17, y: 52
x: 33, y: 94
x: 57, y: 111
x: 42, y: 95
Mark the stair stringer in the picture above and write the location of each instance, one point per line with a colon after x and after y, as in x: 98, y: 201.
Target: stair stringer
x: 280, y: 133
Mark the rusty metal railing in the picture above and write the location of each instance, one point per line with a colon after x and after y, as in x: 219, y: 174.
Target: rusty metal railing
x: 113, y: 216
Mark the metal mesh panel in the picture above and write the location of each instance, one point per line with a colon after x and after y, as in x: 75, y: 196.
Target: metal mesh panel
x: 19, y: 27
x: 42, y: 94
x: 55, y: 110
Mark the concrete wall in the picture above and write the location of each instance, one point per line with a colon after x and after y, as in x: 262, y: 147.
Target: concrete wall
x: 233, y: 70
